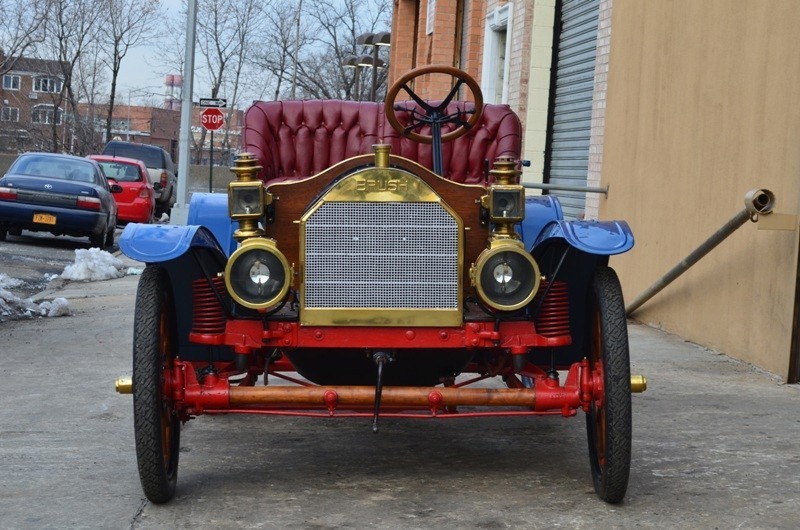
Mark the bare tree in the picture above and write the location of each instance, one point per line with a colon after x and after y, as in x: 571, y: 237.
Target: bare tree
x: 90, y: 82
x: 278, y: 51
x: 328, y: 37
x: 21, y: 29
x: 126, y: 25
x: 226, y: 30
x: 70, y: 27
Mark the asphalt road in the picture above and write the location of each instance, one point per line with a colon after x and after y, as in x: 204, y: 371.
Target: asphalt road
x: 716, y: 445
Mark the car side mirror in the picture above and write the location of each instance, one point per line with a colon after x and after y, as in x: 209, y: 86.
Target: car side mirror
x: 116, y: 188
x: 157, y: 186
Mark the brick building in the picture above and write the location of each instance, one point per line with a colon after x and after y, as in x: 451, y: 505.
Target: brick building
x: 134, y: 123
x: 32, y: 99
x: 161, y: 127
x: 676, y: 108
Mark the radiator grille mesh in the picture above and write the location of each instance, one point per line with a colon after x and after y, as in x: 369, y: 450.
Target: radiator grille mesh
x: 381, y: 255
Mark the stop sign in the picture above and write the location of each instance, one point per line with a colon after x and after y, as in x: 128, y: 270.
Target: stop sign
x: 212, y: 118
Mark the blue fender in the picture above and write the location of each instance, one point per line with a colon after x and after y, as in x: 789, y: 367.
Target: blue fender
x: 539, y: 211
x: 211, y: 211
x: 158, y: 243
x: 602, y: 238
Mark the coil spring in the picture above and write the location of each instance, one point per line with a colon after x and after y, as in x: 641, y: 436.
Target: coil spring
x: 208, y: 316
x: 553, y: 317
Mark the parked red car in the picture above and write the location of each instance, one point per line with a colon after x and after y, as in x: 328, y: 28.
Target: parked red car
x: 136, y: 203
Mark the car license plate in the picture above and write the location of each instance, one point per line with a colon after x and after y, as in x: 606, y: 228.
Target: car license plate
x: 44, y: 218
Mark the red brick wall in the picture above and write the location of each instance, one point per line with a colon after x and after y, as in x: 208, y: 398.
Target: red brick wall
x: 410, y: 49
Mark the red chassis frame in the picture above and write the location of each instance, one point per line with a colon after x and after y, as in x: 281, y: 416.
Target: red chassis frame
x: 212, y: 392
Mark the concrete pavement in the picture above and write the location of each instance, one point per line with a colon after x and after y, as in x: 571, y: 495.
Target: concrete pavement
x: 716, y: 445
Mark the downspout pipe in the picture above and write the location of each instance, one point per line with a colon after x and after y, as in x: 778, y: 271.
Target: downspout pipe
x: 756, y: 202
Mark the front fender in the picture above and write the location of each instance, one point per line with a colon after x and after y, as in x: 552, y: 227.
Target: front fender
x: 211, y: 211
x: 601, y: 238
x: 159, y: 243
x: 539, y: 211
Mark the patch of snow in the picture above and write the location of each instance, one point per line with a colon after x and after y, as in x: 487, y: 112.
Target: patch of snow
x: 90, y: 265
x: 59, y: 307
x: 93, y: 265
x: 12, y: 305
x: 7, y: 282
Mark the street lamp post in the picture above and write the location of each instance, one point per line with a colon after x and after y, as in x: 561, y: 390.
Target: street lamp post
x: 383, y: 38
x: 364, y: 61
x: 353, y: 61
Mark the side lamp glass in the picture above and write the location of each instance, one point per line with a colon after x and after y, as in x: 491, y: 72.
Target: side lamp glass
x: 507, y: 203
x: 246, y: 199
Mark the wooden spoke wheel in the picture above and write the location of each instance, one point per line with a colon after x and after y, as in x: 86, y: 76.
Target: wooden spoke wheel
x: 608, y: 422
x: 156, y: 425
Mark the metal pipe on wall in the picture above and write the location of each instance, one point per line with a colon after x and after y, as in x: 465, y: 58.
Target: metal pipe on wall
x: 757, y: 202
x: 566, y: 187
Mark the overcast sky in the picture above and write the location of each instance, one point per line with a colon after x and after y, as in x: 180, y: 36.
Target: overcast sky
x: 136, y: 71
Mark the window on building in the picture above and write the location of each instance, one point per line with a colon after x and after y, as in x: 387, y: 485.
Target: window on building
x: 494, y: 78
x: 46, y: 114
x: 11, y: 82
x: 47, y: 84
x: 9, y: 114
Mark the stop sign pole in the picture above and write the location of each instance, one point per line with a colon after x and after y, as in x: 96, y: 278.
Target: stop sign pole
x: 212, y: 119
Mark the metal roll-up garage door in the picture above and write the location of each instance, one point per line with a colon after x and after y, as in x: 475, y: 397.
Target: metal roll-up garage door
x: 567, y: 157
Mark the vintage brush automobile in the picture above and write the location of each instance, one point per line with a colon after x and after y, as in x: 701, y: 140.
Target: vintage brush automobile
x: 369, y: 264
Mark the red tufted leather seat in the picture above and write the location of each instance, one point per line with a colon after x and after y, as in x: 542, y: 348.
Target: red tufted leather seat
x: 297, y: 139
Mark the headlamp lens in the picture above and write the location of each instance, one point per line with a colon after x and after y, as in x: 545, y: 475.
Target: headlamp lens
x: 507, y: 279
x: 257, y: 277
x: 259, y: 273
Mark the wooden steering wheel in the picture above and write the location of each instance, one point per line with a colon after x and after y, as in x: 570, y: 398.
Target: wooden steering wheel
x: 434, y: 116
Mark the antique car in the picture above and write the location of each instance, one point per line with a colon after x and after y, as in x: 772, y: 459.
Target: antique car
x: 380, y: 260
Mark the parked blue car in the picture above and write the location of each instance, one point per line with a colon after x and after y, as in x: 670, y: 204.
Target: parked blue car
x: 60, y: 194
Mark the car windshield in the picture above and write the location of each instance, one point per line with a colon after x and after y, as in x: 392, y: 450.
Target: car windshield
x: 120, y: 172
x: 150, y: 157
x: 53, y: 167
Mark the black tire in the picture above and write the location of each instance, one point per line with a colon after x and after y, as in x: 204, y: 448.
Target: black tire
x: 156, y: 425
x: 97, y: 240
x: 109, y: 241
x: 608, y: 424
x: 3, y: 231
x: 15, y: 231
x: 170, y: 202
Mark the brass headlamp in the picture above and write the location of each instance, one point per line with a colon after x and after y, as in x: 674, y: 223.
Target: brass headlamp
x: 257, y: 275
x: 247, y: 198
x: 505, y: 275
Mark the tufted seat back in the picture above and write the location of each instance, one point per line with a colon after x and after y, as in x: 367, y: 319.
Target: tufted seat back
x: 297, y: 139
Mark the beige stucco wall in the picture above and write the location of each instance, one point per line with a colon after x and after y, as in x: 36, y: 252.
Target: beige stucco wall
x: 703, y: 105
